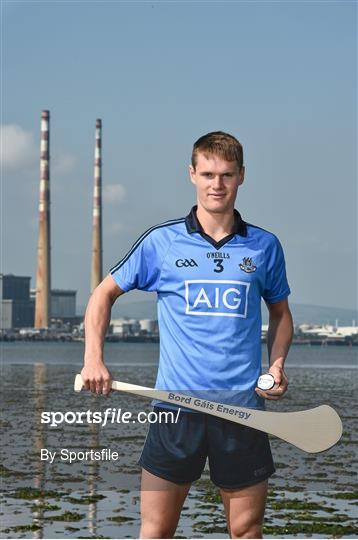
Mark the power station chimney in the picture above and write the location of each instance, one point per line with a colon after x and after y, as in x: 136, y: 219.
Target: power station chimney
x: 43, y: 276
x: 96, y: 266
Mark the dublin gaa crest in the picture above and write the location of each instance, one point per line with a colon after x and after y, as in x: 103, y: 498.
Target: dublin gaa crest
x: 247, y: 265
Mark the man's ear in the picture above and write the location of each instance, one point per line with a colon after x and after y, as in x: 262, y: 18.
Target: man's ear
x: 192, y: 174
x: 241, y: 175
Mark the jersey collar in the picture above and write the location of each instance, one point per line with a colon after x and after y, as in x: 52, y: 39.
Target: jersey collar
x: 193, y: 226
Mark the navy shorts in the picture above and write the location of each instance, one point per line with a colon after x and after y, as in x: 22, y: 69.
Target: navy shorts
x: 238, y: 455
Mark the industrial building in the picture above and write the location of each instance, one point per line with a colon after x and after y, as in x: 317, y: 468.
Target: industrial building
x: 17, y: 308
x: 133, y: 327
x: 63, y: 304
x: 18, y: 303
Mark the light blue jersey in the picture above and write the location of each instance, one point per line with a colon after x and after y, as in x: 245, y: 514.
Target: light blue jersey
x: 209, y: 304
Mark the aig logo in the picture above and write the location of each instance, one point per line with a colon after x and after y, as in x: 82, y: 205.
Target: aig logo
x: 216, y: 297
x: 185, y: 262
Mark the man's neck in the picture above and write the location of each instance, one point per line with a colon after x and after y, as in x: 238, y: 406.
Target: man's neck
x: 216, y: 225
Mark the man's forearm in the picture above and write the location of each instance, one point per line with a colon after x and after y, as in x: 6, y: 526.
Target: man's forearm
x: 279, y: 338
x: 95, y: 375
x: 97, y: 318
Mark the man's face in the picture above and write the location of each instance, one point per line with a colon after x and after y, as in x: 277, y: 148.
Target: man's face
x: 216, y: 181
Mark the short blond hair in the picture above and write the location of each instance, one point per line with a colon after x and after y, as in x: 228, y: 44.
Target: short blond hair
x: 219, y: 144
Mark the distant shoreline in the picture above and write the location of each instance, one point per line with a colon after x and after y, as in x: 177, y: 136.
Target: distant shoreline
x: 63, y: 337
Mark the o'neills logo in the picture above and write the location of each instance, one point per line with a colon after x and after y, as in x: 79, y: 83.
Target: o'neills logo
x: 215, y: 297
x: 217, y: 255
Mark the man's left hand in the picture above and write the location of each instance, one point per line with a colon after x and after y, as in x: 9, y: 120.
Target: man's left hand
x: 281, y: 384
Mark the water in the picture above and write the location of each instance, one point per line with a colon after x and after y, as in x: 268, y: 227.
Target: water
x: 101, y: 498
x: 131, y: 354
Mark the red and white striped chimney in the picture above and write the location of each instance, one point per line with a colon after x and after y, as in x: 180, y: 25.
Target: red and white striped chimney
x: 96, y: 266
x: 43, y: 276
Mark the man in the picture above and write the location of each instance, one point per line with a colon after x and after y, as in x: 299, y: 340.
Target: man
x: 210, y: 271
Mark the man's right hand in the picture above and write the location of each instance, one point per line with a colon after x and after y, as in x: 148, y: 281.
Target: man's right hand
x: 97, y: 378
x: 95, y: 375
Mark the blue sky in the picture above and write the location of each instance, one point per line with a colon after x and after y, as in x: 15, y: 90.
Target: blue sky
x: 280, y: 76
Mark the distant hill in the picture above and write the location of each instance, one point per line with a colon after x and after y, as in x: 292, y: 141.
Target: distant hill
x: 302, y: 313
x: 305, y: 313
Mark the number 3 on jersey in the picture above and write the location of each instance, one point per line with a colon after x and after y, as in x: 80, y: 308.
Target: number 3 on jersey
x: 219, y: 265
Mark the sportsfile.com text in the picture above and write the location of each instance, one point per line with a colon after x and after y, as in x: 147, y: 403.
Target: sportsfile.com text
x: 109, y: 416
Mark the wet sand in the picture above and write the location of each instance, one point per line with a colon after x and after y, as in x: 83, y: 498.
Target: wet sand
x: 313, y: 495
